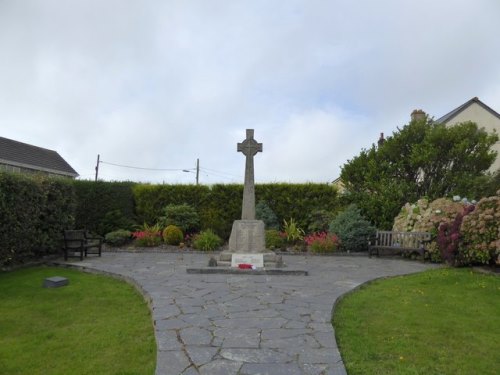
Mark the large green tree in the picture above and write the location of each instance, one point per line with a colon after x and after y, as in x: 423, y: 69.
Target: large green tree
x: 423, y: 159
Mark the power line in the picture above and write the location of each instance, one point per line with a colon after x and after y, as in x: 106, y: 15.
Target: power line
x: 143, y: 168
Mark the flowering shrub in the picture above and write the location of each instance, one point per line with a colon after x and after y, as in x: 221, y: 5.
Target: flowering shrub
x: 481, y: 233
x: 322, y: 242
x: 449, y: 236
x: 423, y: 216
x: 426, y: 217
x: 149, y: 236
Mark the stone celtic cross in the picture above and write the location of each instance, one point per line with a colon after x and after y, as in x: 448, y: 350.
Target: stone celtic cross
x: 249, y: 147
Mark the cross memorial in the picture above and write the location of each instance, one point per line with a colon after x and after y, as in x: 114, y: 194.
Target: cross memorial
x: 249, y: 147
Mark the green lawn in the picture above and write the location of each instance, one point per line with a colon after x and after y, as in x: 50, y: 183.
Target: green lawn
x: 444, y: 321
x: 95, y: 325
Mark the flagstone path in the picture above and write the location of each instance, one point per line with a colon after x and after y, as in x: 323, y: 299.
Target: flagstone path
x: 245, y: 324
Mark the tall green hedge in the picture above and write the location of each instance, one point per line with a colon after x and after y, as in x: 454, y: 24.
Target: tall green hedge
x: 104, y: 206
x: 219, y: 205
x: 33, y: 213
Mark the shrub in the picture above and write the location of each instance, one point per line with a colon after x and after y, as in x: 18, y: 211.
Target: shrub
x: 183, y: 216
x: 292, y: 232
x: 352, y: 229
x: 172, y: 235
x: 207, y: 240
x: 266, y: 214
x: 275, y: 239
x: 319, y: 220
x: 118, y: 237
x: 481, y: 233
x: 114, y: 220
x: 148, y: 236
x: 449, y: 236
x: 322, y: 242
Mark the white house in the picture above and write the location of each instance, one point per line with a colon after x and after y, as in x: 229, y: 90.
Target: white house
x: 476, y: 111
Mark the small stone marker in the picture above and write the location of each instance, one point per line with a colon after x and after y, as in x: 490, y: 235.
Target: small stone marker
x: 256, y: 260
x: 55, y: 282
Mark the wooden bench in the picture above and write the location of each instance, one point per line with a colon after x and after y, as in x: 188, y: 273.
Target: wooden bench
x: 81, y: 243
x: 402, y: 242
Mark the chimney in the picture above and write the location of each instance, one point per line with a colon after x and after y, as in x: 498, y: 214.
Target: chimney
x: 417, y: 115
x: 381, y: 140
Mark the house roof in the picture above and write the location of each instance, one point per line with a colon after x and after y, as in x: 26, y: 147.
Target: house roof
x: 456, y: 111
x: 27, y: 156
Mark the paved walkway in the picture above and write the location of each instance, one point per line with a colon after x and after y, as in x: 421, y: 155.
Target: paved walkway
x: 244, y: 324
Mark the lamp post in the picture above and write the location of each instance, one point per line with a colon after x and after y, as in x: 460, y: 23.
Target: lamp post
x: 197, y: 171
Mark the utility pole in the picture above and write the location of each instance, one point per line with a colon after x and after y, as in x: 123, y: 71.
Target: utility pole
x: 97, y: 168
x: 197, y: 171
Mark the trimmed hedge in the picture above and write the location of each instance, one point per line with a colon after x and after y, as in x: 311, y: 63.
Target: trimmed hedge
x: 33, y: 213
x: 104, y: 207
x: 220, y: 205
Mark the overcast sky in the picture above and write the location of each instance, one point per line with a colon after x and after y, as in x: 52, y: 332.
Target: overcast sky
x: 158, y: 83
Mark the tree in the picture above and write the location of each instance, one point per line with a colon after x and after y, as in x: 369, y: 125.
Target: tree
x: 423, y: 159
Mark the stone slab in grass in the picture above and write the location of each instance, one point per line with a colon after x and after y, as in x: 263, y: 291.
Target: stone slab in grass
x: 55, y: 282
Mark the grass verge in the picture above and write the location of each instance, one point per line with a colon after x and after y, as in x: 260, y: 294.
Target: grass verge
x: 94, y: 325
x: 444, y: 321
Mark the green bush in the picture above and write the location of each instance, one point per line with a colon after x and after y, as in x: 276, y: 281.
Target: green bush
x: 274, y: 240
x: 352, y: 229
x: 319, y: 221
x: 172, y: 235
x: 266, y: 214
x: 207, y: 240
x: 114, y: 220
x: 118, y: 237
x: 481, y: 233
x: 181, y: 215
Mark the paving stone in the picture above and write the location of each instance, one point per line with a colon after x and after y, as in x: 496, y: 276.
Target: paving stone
x: 325, y: 339
x: 302, y: 341
x: 201, y: 355
x: 167, y: 340
x: 172, y: 323
x: 271, y: 334
x: 191, y: 371
x: 251, y: 323
x: 171, y: 362
x: 195, y: 336
x: 255, y: 355
x: 238, y: 338
x: 270, y: 369
x: 220, y: 367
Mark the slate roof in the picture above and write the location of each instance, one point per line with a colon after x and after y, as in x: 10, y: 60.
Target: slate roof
x: 27, y: 156
x: 456, y: 111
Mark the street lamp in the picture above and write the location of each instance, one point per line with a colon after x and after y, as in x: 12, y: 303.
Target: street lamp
x: 197, y: 170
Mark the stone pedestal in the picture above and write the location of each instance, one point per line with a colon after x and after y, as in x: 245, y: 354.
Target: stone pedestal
x: 248, y: 237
